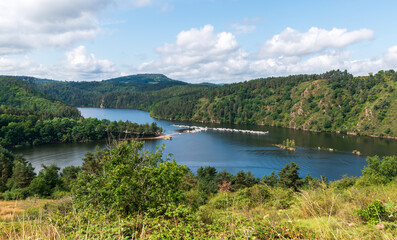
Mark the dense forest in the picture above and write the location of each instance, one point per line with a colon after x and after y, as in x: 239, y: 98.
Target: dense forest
x: 333, y: 101
x: 28, y: 117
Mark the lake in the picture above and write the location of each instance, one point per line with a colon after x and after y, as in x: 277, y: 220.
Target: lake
x: 232, y: 151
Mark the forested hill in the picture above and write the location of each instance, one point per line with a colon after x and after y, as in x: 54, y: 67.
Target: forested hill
x: 16, y: 93
x: 94, y: 93
x: 333, y: 101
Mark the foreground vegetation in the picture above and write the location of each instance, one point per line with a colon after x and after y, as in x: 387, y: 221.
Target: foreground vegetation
x: 124, y: 193
x: 333, y: 101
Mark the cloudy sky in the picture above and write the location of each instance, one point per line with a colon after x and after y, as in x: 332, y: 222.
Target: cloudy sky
x: 217, y: 41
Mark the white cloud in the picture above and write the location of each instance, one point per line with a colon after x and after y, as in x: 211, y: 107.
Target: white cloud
x: 26, y: 25
x: 391, y: 56
x: 79, y: 61
x: 16, y: 66
x: 78, y: 65
x: 199, y: 55
x: 203, y: 55
x: 290, y: 42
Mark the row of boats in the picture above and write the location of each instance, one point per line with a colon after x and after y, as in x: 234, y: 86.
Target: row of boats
x: 201, y: 129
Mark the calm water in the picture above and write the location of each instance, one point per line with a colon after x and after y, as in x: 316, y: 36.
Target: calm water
x: 233, y: 151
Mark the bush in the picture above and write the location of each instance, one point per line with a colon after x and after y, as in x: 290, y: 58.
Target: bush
x: 253, y: 196
x: 373, y: 213
x: 130, y: 181
x: 344, y: 183
x: 16, y: 194
x: 383, y: 170
x: 46, y: 182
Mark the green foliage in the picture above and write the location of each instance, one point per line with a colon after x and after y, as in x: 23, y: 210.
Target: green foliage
x: 289, y: 143
x: 344, y: 183
x: 29, y: 117
x: 6, y: 165
x: 68, y: 177
x: 130, y: 181
x: 224, y: 176
x: 206, y: 180
x: 384, y: 170
x: 271, y: 180
x: 22, y: 174
x: 15, y: 172
x: 21, y: 128
x: 46, y: 182
x: 373, y: 213
x: 317, y: 211
x: 16, y: 194
x: 16, y: 93
x: 332, y: 101
x: 244, y: 180
x: 289, y: 176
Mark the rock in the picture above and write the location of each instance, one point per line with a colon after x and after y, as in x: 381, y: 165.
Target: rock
x: 380, y: 226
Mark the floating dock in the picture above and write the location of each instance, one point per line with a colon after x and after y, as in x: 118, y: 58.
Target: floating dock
x: 201, y: 129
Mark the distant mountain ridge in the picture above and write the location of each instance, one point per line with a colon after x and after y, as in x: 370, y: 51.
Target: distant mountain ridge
x: 147, y: 78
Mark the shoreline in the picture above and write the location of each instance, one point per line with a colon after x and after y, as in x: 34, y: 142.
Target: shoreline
x: 162, y: 136
x: 295, y: 128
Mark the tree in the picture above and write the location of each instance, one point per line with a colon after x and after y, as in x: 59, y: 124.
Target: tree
x: 22, y: 174
x: 129, y: 181
x: 271, y: 180
x: 206, y: 178
x: 224, y: 176
x: 383, y: 170
x: 6, y: 165
x: 289, y: 176
x: 244, y: 180
x: 46, y: 182
x: 68, y: 176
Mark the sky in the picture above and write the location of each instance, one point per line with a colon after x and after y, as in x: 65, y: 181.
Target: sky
x: 217, y: 41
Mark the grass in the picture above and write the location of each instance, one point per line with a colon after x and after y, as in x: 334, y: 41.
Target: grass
x: 26, y: 219
x: 320, y: 212
x: 13, y: 209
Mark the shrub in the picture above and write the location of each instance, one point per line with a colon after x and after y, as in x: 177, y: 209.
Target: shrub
x: 16, y: 194
x: 46, y: 182
x: 373, y: 213
x: 344, y: 183
x: 130, y: 181
x: 383, y: 169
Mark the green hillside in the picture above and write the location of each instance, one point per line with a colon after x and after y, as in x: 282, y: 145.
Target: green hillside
x: 333, y: 101
x: 16, y: 93
x: 91, y: 94
x: 29, y: 117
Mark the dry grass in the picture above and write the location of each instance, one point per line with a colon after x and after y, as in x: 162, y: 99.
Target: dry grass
x: 25, y: 219
x: 13, y: 209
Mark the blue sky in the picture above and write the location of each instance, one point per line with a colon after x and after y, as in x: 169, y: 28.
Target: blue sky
x: 216, y: 41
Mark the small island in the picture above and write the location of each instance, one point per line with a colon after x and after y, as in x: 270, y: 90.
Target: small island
x: 288, y: 144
